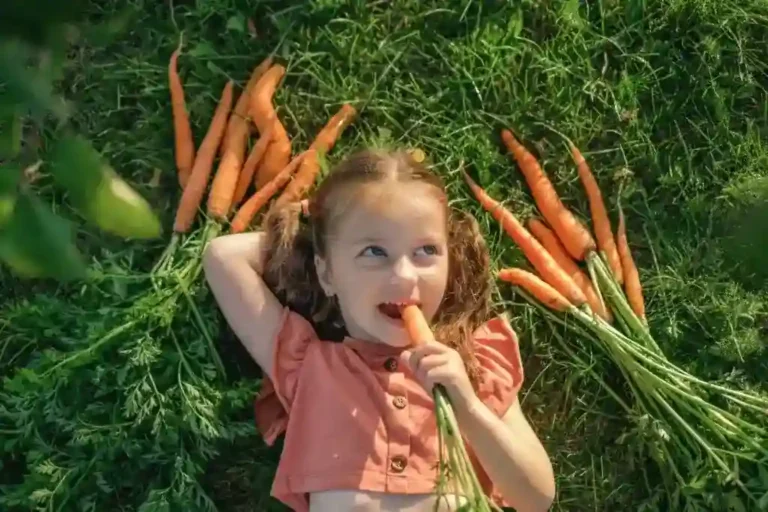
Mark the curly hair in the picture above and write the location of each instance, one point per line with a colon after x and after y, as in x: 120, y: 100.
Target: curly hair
x: 293, y: 243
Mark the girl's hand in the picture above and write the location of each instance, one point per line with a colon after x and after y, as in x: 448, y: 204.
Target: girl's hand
x: 434, y: 363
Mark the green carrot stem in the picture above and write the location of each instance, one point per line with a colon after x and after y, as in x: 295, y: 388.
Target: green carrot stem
x: 202, y: 327
x: 706, y: 446
x: 707, y: 408
x: 666, y: 365
x: 463, y: 457
x: 592, y: 373
x: 622, y: 307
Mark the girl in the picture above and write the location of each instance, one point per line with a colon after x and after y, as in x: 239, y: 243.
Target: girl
x: 358, y: 417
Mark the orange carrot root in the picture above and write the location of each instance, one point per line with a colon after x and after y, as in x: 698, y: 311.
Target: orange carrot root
x: 536, y: 287
x: 600, y: 220
x: 277, y: 157
x: 260, y: 101
x: 541, y: 260
x: 304, y: 179
x: 184, y: 144
x: 235, y: 141
x: 327, y: 137
x: 201, y: 170
x: 252, y: 163
x: 416, y: 325
x: 632, y: 285
x: 572, y: 233
x: 256, y: 202
x: 553, y: 246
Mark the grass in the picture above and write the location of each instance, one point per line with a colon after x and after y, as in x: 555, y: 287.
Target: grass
x: 666, y: 98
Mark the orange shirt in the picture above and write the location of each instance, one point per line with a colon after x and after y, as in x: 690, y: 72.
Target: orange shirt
x: 355, y: 418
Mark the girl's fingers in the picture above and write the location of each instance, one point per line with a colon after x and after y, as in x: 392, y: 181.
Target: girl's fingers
x: 414, y: 356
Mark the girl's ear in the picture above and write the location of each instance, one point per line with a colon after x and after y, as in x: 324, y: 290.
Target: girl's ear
x: 324, y: 275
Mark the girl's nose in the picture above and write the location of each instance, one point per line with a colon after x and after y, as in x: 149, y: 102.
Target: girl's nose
x: 404, y: 270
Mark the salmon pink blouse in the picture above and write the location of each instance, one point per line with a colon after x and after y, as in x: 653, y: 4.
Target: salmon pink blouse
x: 355, y: 418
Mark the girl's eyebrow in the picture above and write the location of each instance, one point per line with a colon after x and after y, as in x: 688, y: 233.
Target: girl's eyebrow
x: 368, y: 240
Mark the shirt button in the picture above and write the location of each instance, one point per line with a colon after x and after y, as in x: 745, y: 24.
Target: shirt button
x: 398, y: 463
x: 399, y: 402
x: 390, y: 364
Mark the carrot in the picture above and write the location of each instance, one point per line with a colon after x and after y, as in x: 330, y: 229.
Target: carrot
x: 184, y: 143
x: 234, y: 144
x: 304, y: 179
x: 632, y: 285
x: 251, y: 163
x: 542, y: 261
x: 241, y: 113
x: 574, y: 236
x: 536, y: 287
x: 260, y: 99
x: 201, y: 170
x: 416, y: 325
x: 251, y: 207
x: 326, y: 139
x: 600, y: 220
x: 277, y: 157
x: 553, y: 246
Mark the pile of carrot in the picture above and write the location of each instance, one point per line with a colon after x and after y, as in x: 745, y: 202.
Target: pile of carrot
x: 267, y: 167
x: 711, y: 431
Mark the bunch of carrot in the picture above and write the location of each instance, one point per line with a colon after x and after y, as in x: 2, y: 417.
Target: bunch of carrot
x: 269, y: 166
x: 704, y: 430
x: 455, y: 466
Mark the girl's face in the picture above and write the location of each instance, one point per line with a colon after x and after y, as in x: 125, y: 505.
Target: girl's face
x: 387, y: 249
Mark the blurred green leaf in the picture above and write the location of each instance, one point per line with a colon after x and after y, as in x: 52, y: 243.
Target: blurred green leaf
x: 10, y: 132
x: 37, y: 243
x: 27, y: 83
x: 236, y: 23
x: 9, y: 181
x: 99, y: 193
x: 33, y: 20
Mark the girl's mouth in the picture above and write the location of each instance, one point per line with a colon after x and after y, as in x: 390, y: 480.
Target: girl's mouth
x: 393, y: 310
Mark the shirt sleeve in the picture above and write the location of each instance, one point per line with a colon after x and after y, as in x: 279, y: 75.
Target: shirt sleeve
x: 498, y: 354
x: 275, y: 398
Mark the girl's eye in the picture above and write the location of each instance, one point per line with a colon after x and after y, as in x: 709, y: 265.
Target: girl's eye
x: 374, y: 250
x: 428, y: 250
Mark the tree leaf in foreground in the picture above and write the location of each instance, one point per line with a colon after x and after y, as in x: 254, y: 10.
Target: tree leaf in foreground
x: 37, y: 243
x: 99, y: 193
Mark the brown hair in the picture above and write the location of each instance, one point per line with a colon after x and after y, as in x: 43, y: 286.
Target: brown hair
x: 293, y: 241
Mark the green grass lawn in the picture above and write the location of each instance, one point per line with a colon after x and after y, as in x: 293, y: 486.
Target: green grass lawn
x: 115, y: 403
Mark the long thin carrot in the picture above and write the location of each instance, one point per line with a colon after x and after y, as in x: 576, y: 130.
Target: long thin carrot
x: 326, y: 139
x: 251, y: 163
x: 278, y: 155
x: 541, y: 260
x: 251, y: 207
x: 201, y: 171
x: 304, y: 179
x: 553, y: 246
x: 632, y: 285
x: 600, y: 221
x: 569, y: 229
x: 184, y: 144
x: 416, y: 325
x: 536, y: 287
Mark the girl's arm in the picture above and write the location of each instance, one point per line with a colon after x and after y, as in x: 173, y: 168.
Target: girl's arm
x: 510, y: 453
x: 233, y: 265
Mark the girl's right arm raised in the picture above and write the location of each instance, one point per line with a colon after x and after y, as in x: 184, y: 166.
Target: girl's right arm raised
x: 233, y: 267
